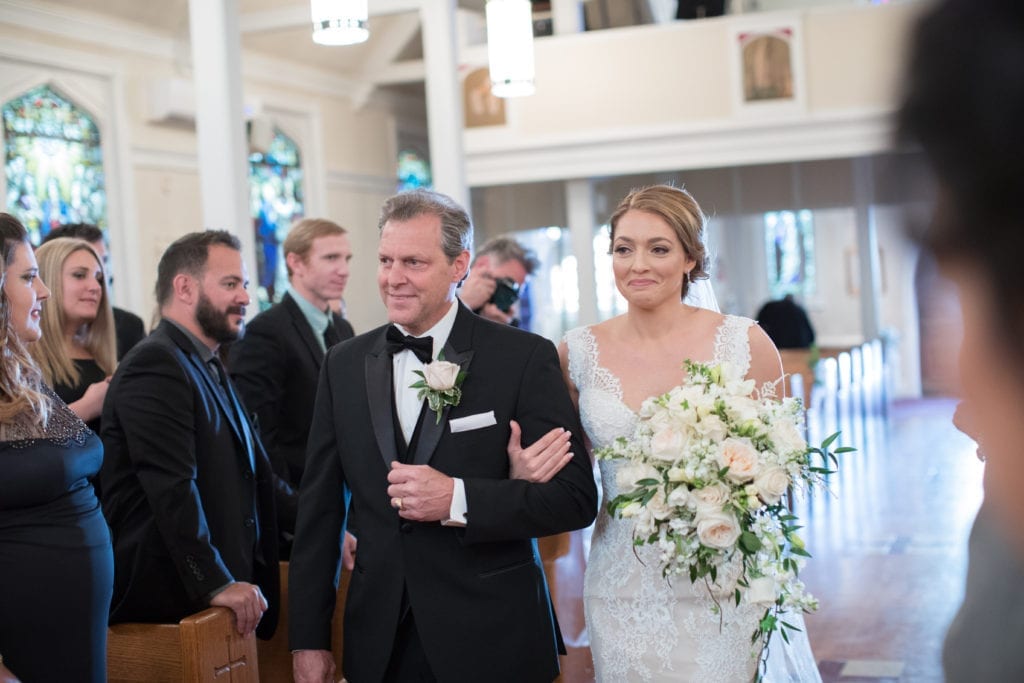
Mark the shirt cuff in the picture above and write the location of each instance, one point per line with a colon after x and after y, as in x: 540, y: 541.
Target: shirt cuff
x: 457, y: 511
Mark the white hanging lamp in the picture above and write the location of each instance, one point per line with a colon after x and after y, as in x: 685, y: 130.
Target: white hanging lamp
x: 510, y: 47
x: 339, y: 22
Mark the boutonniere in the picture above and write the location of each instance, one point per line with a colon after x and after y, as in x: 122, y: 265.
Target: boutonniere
x: 440, y: 384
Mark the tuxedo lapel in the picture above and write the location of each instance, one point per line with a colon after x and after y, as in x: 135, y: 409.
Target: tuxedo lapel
x: 380, y: 395
x: 456, y: 350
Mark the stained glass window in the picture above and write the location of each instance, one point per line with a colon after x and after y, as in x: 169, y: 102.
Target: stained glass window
x: 789, y: 247
x: 275, y: 201
x: 52, y: 162
x: 413, y: 171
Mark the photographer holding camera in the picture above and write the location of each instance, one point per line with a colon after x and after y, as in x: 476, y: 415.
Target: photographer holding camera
x: 498, y: 271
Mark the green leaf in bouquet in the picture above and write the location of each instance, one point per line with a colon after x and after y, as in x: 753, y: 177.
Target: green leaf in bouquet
x: 845, y: 449
x: 648, y: 482
x: 749, y: 542
x: 737, y: 597
x: 829, y: 441
x: 796, y: 550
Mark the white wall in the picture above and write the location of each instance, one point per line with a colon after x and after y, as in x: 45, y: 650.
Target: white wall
x: 152, y: 168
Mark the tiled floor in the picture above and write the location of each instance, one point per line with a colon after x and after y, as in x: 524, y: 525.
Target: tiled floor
x: 889, y: 545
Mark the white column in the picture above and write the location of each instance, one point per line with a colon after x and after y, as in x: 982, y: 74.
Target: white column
x: 579, y: 202
x: 867, y: 248
x: 220, y: 122
x: 444, y: 99
x: 567, y: 16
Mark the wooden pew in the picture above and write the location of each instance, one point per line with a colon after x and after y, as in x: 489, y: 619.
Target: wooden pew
x: 274, y: 654
x: 201, y: 648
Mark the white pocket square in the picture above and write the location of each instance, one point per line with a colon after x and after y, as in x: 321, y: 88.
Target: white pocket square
x: 470, y: 422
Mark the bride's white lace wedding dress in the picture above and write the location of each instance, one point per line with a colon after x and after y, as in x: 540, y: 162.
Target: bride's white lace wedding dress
x: 643, y: 628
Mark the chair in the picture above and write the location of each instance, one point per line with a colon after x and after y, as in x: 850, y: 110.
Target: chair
x: 201, y: 648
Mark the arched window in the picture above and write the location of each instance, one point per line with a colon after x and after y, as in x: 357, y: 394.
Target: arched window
x: 52, y: 162
x: 275, y: 201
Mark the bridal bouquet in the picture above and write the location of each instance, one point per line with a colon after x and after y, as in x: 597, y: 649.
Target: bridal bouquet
x: 707, y: 469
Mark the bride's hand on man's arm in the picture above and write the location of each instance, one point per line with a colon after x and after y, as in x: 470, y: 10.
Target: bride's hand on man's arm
x: 540, y: 461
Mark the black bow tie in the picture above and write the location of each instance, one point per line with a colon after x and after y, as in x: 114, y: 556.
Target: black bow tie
x: 423, y: 347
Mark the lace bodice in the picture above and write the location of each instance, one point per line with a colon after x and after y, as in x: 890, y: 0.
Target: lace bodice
x: 642, y: 628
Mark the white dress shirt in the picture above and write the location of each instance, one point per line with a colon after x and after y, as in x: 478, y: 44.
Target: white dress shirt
x: 408, y: 406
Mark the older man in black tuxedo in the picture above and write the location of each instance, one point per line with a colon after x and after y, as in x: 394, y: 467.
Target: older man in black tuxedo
x: 188, y: 489
x: 447, y: 583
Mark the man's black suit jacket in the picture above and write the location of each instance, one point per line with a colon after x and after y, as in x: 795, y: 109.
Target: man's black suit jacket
x: 129, y: 331
x: 275, y: 367
x: 179, y: 492
x: 478, y: 593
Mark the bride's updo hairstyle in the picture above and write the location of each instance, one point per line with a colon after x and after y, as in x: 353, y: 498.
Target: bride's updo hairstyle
x: 680, y: 210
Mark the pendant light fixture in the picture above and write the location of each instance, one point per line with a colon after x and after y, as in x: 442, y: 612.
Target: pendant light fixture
x: 510, y: 47
x: 339, y: 22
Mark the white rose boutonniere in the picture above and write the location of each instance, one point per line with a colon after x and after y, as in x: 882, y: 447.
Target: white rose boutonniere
x: 440, y: 384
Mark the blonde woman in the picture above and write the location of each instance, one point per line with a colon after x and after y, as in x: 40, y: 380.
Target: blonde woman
x: 56, y: 564
x: 78, y: 349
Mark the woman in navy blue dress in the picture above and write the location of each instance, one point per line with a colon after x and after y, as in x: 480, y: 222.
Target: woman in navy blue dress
x: 56, y: 565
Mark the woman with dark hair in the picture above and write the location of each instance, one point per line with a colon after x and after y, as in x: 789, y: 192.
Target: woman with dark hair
x: 56, y: 566
x: 964, y: 104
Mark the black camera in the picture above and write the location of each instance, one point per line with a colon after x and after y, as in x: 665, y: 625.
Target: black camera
x: 506, y: 294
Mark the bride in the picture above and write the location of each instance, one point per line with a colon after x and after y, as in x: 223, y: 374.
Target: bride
x: 642, y: 627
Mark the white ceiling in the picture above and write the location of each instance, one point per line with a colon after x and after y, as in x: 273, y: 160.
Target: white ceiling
x: 278, y: 29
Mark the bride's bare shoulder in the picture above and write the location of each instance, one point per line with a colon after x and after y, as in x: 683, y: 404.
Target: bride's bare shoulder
x: 609, y: 329
x: 704, y: 318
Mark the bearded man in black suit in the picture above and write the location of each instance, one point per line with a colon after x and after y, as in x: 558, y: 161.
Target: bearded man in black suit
x: 276, y: 364
x: 187, y: 487
x: 447, y: 584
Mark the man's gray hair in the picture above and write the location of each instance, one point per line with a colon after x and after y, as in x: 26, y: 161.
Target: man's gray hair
x: 456, y: 228
x: 503, y: 248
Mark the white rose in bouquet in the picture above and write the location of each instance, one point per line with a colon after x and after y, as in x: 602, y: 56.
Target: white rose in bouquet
x: 711, y: 428
x: 667, y: 444
x: 659, y: 507
x: 711, y: 497
x: 740, y: 456
x: 440, y: 375
x: 771, y: 483
x: 787, y: 438
x: 718, y: 529
x: 744, y: 410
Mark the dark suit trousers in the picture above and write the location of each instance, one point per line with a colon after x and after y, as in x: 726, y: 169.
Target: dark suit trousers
x: 408, y: 662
